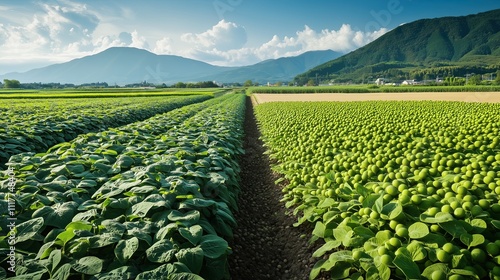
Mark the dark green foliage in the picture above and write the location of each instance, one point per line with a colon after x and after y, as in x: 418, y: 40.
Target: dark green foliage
x: 11, y: 83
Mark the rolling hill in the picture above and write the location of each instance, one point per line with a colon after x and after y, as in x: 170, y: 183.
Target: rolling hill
x: 123, y: 65
x: 444, y: 46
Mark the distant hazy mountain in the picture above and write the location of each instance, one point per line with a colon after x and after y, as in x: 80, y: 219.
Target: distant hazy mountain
x: 275, y: 70
x: 123, y: 65
x: 120, y: 65
x: 452, y: 45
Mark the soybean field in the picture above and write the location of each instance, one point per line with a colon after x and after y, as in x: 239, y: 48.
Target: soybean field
x: 152, y: 199
x: 213, y: 186
x: 393, y: 189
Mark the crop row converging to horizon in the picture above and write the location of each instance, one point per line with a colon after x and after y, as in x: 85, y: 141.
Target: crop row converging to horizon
x: 144, y: 201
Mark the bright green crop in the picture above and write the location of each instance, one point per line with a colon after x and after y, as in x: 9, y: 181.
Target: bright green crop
x: 394, y: 189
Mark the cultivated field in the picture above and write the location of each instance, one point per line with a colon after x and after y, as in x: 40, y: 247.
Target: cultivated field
x: 493, y: 97
x: 394, y: 190
x: 143, y: 200
x: 208, y: 186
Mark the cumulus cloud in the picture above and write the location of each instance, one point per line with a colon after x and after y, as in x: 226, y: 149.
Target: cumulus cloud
x: 223, y: 36
x: 64, y: 30
x: 343, y: 40
x: 56, y: 29
x: 207, y: 45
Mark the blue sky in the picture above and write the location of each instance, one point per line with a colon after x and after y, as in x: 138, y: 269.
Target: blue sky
x: 35, y: 33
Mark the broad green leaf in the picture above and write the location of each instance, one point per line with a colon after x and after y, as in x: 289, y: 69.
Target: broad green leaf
x: 28, y: 229
x: 86, y: 216
x: 58, y: 215
x: 327, y: 202
x: 364, y: 232
x: 319, y: 230
x: 141, y: 209
x: 496, y: 223
x: 126, y: 248
x: 123, y: 272
x: 328, y: 246
x: 341, y: 256
x: 391, y: 210
x: 472, y: 240
x: 66, y: 236
x: 88, y: 265
x: 213, y: 246
x: 196, y: 203
x: 192, y: 234
x: 404, y: 262
x: 384, y: 272
x: 418, y: 230
x: 216, y: 268
x: 161, y: 271
x: 104, y: 239
x: 440, y: 217
x: 54, y: 258
x: 478, y: 225
x: 192, y: 258
x: 317, y: 268
x: 63, y: 272
x: 185, y: 276
x: 465, y: 272
x: 343, y: 234
x: 31, y: 276
x: 45, y: 250
x: 79, y: 248
x: 382, y: 236
x: 379, y: 204
x: 433, y: 240
x: 112, y: 226
x: 427, y: 273
x: 340, y: 270
x: 189, y: 218
x: 27, y: 167
x: 162, y: 251
x: 371, y: 199
x: 459, y: 261
x: 454, y: 228
x: 417, y: 251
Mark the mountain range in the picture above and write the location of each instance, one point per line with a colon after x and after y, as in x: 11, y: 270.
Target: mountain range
x: 453, y: 46
x: 423, y: 49
x: 125, y: 65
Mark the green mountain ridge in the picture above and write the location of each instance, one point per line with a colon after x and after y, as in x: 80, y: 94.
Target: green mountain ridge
x: 427, y: 48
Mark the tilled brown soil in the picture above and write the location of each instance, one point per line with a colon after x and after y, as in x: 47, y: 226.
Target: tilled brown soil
x: 265, y: 245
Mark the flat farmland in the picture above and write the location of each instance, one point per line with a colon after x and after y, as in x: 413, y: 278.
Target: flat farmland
x: 489, y: 97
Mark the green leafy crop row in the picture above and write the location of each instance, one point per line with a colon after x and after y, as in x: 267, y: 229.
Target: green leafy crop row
x: 395, y: 190
x: 150, y: 200
x: 38, y: 125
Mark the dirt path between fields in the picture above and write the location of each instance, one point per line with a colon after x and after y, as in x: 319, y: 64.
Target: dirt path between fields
x: 266, y: 245
x: 493, y: 97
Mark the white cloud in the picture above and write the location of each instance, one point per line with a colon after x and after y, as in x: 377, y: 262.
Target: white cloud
x: 343, y: 40
x: 164, y: 46
x: 64, y: 30
x: 54, y: 30
x: 223, y: 36
x: 206, y: 46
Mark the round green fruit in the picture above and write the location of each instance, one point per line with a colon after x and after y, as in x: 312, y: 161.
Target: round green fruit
x: 438, y: 275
